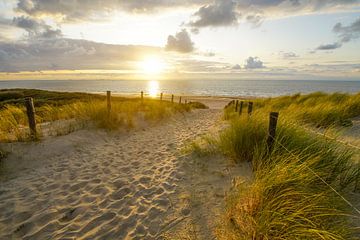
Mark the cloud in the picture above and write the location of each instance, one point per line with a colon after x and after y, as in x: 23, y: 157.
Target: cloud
x: 330, y: 46
x: 345, y: 35
x: 228, y: 12
x: 210, y: 12
x: 220, y: 13
x: 236, y: 67
x: 253, y: 63
x: 255, y: 19
x: 70, y: 54
x: 181, y: 42
x: 80, y: 10
x: 288, y: 55
x: 36, y: 28
x: 348, y: 33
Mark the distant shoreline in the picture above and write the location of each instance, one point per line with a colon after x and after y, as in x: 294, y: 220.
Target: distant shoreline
x: 203, y: 88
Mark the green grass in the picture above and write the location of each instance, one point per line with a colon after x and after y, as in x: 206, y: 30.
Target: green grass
x: 87, y: 109
x: 16, y: 97
x: 286, y: 199
x: 198, y: 105
x: 318, y: 109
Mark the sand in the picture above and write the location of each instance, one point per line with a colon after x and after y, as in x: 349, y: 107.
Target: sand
x: 119, y: 185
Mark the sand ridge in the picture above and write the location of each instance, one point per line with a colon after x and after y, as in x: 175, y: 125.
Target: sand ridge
x: 105, y: 186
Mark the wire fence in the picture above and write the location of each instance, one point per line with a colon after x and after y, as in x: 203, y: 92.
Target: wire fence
x: 271, y: 135
x: 318, y: 176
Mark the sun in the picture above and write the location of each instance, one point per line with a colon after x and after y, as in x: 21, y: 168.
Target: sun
x: 152, y: 66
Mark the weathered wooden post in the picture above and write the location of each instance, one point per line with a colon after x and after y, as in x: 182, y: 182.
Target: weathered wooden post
x: 172, y: 98
x: 161, y: 96
x: 142, y: 96
x: 180, y: 100
x: 30, y: 111
x: 185, y: 101
x: 250, y: 108
x: 272, y: 130
x: 236, y: 105
x: 241, y: 107
x: 108, y: 98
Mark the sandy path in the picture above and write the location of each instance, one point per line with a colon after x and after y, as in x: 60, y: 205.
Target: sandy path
x: 100, y: 186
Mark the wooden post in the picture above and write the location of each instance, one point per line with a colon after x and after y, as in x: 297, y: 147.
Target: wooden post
x: 241, y: 107
x: 185, y: 101
x: 108, y: 98
x: 272, y: 130
x: 30, y: 110
x: 161, y: 96
x: 172, y: 98
x: 180, y: 100
x: 236, y: 105
x: 142, y: 96
x: 250, y: 108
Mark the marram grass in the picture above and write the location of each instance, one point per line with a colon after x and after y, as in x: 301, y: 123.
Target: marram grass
x: 87, y: 110
x: 286, y: 200
x: 318, y: 109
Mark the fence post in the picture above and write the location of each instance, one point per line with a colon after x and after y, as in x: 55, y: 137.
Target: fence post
x: 161, y: 96
x: 30, y: 111
x: 180, y: 100
x: 172, y: 98
x: 250, y: 108
x: 272, y: 130
x: 142, y: 96
x: 241, y: 107
x: 108, y: 98
x: 236, y: 105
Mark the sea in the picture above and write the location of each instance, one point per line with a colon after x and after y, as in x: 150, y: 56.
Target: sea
x: 228, y: 88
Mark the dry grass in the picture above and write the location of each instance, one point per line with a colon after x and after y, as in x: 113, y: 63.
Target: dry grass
x: 86, y: 110
x: 286, y: 200
x: 318, y: 109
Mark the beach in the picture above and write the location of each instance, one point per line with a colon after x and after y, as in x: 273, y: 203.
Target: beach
x: 146, y: 182
x: 135, y: 184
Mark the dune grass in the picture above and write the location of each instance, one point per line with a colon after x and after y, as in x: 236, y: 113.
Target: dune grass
x: 318, y: 109
x: 88, y: 109
x: 286, y: 199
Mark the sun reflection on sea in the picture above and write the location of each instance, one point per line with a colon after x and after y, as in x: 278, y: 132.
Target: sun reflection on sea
x: 153, y: 88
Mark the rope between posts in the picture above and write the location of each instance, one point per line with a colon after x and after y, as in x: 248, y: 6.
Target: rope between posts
x: 319, y: 177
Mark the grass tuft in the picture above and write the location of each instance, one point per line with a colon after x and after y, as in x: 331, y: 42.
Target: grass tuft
x: 318, y: 109
x: 286, y: 199
x: 85, y: 109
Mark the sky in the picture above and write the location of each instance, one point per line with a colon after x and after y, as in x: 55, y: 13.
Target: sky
x: 180, y: 39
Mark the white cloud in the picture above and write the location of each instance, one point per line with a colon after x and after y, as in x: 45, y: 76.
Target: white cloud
x: 220, y: 13
x: 253, y: 63
x: 288, y: 55
x: 329, y: 46
x: 236, y: 67
x: 181, y: 42
x: 210, y: 12
x: 70, y: 54
x: 348, y: 33
x: 36, y: 28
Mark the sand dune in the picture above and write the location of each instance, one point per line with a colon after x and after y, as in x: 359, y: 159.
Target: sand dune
x: 94, y: 185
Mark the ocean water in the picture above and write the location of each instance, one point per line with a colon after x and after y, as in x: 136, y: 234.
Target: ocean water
x: 259, y: 88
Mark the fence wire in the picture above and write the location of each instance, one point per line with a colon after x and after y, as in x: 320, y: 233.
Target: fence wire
x: 325, y: 136
x: 319, y: 177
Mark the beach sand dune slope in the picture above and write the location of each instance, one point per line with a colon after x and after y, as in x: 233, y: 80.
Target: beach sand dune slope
x: 93, y: 185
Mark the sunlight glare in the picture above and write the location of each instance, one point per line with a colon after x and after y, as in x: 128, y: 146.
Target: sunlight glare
x: 152, y: 66
x: 153, y: 88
